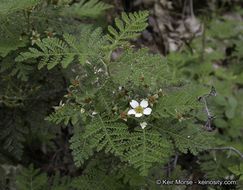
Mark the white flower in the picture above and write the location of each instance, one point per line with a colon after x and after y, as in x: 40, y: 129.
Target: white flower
x: 82, y: 110
x: 94, y: 113
x: 143, y: 125
x: 35, y: 37
x: 139, y: 109
x: 61, y: 106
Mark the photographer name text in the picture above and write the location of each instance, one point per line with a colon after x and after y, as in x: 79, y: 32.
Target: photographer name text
x: 199, y: 182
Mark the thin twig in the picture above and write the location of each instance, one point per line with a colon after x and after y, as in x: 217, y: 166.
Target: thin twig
x: 107, y: 71
x: 209, y: 116
x: 227, y: 148
x: 184, y: 9
x: 175, y: 161
x: 169, y: 169
x: 191, y: 8
x: 206, y: 107
x: 203, y: 41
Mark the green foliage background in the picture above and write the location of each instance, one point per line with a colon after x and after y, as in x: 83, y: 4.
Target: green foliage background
x: 64, y: 100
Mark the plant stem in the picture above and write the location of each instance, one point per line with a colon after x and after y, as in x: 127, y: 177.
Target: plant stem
x: 106, y: 67
x: 227, y: 148
x: 203, y: 43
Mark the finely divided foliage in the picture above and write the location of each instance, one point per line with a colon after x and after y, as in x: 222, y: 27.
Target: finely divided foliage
x: 105, y: 130
x: 128, y: 113
x: 91, y: 8
x: 145, y: 147
x: 139, y: 67
x: 81, y: 147
x: 166, y: 106
x: 99, y: 134
x: 31, y: 179
x: 10, y: 27
x: 187, y: 136
x: 94, y: 105
x: 54, y: 51
x: 10, y: 6
x: 130, y: 27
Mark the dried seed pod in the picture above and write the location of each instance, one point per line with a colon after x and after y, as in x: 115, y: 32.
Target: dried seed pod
x: 87, y: 100
x: 160, y: 94
x: 151, y: 99
x: 124, y: 115
x: 75, y: 83
x: 179, y: 116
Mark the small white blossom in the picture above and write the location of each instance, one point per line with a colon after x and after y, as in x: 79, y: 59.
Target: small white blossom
x: 94, y: 113
x: 82, y: 110
x: 143, y: 125
x: 139, y: 109
x: 35, y: 37
x: 61, y: 106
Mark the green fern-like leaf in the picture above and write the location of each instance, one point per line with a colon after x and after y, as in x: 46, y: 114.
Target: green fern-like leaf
x: 60, y: 183
x: 215, y: 169
x: 139, y: 68
x: 93, y: 8
x: 95, y: 179
x: 219, y: 29
x: 131, y: 176
x: 22, y: 71
x: 101, y: 135
x: 12, y: 137
x: 12, y: 23
x: 239, y: 49
x: 145, y: 148
x: 10, y: 6
x: 172, y: 105
x: 106, y: 135
x: 11, y: 43
x: 65, y: 113
x: 6, y: 64
x: 187, y: 136
x: 31, y: 179
x: 81, y: 147
x: 130, y: 26
x: 54, y: 51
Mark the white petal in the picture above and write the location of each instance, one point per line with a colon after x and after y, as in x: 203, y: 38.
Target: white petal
x: 147, y: 111
x: 144, y: 103
x: 134, y: 104
x: 138, y: 115
x: 143, y: 125
x: 132, y: 111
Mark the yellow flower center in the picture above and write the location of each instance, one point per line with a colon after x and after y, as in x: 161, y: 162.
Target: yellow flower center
x: 139, y: 109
